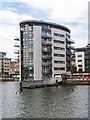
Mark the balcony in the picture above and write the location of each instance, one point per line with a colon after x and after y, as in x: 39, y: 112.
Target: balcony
x: 46, y: 35
x: 25, y: 68
x: 46, y: 63
x: 68, y: 52
x: 16, y: 45
x: 46, y: 43
x: 47, y: 72
x: 47, y: 57
x: 68, y: 40
x: 68, y: 65
x: 68, y: 59
x: 16, y: 52
x: 87, y: 53
x: 16, y: 39
x: 70, y: 47
x: 46, y: 50
x: 87, y: 57
x: 46, y: 28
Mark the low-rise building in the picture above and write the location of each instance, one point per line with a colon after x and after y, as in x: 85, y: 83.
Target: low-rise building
x: 83, y: 58
x: 4, y: 65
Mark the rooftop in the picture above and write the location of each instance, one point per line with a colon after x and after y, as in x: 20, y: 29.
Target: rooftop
x: 36, y: 22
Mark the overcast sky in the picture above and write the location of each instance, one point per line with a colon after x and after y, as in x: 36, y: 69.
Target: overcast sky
x: 70, y: 13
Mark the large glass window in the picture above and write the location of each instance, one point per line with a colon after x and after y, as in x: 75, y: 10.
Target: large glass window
x: 28, y: 70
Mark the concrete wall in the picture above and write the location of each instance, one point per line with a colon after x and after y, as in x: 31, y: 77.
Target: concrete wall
x: 37, y: 52
x: 54, y: 30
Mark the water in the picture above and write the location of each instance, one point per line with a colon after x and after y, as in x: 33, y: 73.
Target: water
x: 50, y: 102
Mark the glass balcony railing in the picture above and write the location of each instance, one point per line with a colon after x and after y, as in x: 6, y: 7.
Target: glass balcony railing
x: 46, y: 35
x: 46, y: 50
x: 46, y: 64
x: 70, y: 47
x: 47, y: 42
x: 47, y: 57
x: 46, y: 28
x: 69, y: 59
x: 68, y: 52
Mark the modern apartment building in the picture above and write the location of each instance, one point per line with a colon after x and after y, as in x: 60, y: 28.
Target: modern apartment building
x: 46, y: 50
x: 6, y: 66
x: 83, y: 58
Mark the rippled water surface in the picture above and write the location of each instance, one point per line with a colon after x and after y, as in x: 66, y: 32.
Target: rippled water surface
x: 49, y: 102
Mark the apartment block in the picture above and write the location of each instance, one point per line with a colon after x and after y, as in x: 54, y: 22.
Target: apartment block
x: 4, y: 65
x: 45, y: 49
x: 83, y: 58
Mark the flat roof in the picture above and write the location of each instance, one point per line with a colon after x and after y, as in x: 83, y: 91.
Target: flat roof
x: 82, y: 49
x: 45, y: 23
x: 3, y: 52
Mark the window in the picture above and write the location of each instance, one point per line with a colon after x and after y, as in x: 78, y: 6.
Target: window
x: 58, y: 41
x: 59, y: 68
x: 58, y: 35
x: 59, y: 55
x: 59, y: 48
x: 59, y: 62
x: 79, y: 55
x: 79, y: 60
x: 79, y: 65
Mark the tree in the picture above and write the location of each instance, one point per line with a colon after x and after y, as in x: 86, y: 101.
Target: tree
x: 64, y: 77
x: 73, y: 69
x: 80, y: 70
